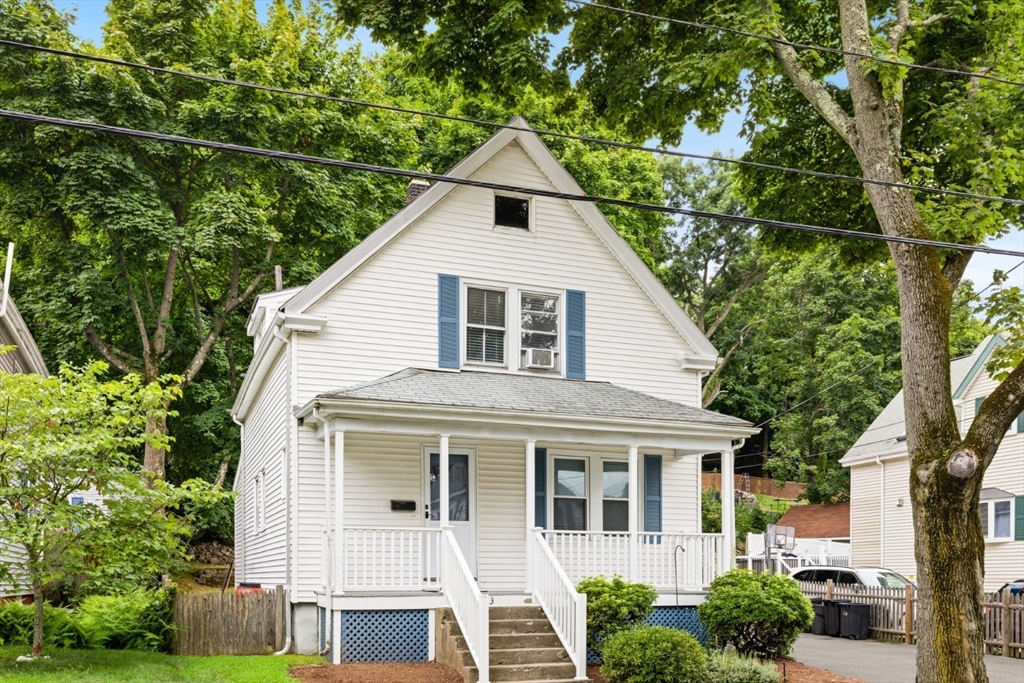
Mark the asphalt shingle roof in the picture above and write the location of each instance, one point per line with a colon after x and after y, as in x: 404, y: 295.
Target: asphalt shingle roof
x: 527, y: 393
x: 818, y: 521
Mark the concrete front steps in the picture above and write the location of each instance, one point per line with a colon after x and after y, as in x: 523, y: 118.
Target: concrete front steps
x: 524, y: 647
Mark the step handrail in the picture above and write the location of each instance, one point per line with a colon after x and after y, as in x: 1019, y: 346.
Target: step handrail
x: 470, y: 606
x: 563, y: 605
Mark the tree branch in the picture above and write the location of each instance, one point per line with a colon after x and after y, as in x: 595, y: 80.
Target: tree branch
x: 160, y: 337
x: 752, y: 276
x: 954, y: 267
x: 119, y: 359
x: 995, y: 417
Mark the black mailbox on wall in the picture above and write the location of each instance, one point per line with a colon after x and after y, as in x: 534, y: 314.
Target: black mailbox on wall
x: 403, y: 506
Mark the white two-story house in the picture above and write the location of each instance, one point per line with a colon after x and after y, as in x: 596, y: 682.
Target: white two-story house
x: 881, y: 522
x: 488, y: 399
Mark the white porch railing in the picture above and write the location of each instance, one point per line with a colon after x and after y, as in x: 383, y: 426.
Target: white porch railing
x: 564, y: 607
x: 390, y: 559
x: 471, y: 607
x: 646, y: 557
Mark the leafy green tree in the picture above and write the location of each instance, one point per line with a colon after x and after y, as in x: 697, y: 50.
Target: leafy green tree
x: 152, y: 252
x: 73, y: 501
x: 887, y: 122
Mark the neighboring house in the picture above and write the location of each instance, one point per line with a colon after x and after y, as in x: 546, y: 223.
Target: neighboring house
x: 822, y: 533
x: 483, y: 365
x: 25, y: 358
x: 881, y: 526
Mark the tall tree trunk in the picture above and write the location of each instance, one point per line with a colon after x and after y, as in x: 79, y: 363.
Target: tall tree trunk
x: 38, y: 601
x: 155, y: 458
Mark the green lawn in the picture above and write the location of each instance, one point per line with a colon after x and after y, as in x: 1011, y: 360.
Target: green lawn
x: 122, y: 666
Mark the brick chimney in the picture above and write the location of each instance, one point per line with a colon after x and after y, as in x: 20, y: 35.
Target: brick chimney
x: 415, y: 189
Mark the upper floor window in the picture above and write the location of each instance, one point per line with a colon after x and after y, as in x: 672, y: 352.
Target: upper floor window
x: 485, y: 326
x: 511, y: 212
x: 539, y: 327
x: 996, y: 511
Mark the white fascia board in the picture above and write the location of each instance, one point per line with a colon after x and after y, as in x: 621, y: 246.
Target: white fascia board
x: 896, y: 453
x: 387, y: 413
x: 269, y: 348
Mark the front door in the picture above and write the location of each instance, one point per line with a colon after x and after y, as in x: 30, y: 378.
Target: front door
x: 461, y: 498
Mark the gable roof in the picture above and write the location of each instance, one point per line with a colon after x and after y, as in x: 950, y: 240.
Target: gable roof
x: 885, y: 432
x: 538, y: 152
x: 14, y: 331
x: 505, y: 391
x: 818, y: 521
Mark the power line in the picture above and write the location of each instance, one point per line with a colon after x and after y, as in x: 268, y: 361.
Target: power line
x: 498, y: 126
x: 825, y: 390
x: 501, y: 187
x: 801, y: 46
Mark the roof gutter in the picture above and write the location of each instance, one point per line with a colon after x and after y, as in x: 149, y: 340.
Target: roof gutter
x: 284, y: 324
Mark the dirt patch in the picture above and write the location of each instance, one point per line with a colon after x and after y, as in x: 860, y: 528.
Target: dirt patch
x: 795, y: 672
x: 382, y: 672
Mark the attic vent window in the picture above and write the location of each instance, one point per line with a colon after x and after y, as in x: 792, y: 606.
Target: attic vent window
x: 511, y: 212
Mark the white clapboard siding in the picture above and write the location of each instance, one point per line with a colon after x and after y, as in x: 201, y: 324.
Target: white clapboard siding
x: 264, y: 449
x: 12, y: 557
x: 898, y: 551
x: 865, y: 520
x: 383, y: 318
x: 311, y: 514
x: 501, y: 539
x: 680, y: 493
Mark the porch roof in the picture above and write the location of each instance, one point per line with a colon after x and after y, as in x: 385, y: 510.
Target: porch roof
x: 526, y: 393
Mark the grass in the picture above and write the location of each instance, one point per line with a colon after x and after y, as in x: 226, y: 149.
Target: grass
x: 124, y: 666
x: 776, y: 504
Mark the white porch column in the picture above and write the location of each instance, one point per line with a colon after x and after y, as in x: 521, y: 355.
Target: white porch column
x: 339, y: 507
x: 326, y: 559
x: 442, y: 514
x: 531, y: 509
x: 634, y: 513
x: 728, y: 509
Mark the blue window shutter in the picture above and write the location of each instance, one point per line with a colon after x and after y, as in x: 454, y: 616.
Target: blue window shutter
x: 1020, y: 423
x: 540, y: 477
x: 652, y: 493
x: 1018, y: 522
x: 448, y: 321
x: 977, y: 404
x: 575, y: 334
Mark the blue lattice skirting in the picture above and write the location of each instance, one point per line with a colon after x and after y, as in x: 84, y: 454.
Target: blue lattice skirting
x: 380, y: 635
x: 682, y: 618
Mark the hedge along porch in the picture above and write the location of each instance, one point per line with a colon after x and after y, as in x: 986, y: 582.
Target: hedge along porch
x: 601, y: 480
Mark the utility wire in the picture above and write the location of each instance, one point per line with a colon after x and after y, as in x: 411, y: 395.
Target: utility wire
x: 825, y: 390
x: 800, y: 46
x: 498, y: 126
x: 501, y: 187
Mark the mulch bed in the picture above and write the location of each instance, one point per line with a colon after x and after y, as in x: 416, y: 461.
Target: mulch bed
x: 383, y: 672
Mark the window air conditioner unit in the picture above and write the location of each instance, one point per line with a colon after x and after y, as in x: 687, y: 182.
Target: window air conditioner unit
x: 543, y: 359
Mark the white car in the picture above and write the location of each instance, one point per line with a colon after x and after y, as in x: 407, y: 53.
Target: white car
x: 853, y: 576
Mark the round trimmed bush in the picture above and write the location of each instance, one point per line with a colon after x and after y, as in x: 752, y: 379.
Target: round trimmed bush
x: 613, y: 606
x: 726, y: 668
x: 653, y: 654
x: 760, y: 614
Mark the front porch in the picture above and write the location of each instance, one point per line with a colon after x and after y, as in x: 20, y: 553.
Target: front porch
x: 535, y: 503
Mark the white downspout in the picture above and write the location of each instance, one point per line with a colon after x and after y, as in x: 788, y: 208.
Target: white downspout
x: 287, y: 476
x: 881, y: 513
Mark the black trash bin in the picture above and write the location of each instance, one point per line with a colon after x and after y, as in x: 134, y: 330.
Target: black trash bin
x: 855, y: 620
x: 833, y: 616
x: 818, y: 625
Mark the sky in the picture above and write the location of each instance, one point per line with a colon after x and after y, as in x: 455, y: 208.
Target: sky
x: 90, y: 16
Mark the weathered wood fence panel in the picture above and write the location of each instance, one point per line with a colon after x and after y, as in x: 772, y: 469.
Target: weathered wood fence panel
x: 212, y: 623
x: 890, y: 607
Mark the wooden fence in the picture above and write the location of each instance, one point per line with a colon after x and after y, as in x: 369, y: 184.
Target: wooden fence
x: 893, y: 613
x: 215, y: 623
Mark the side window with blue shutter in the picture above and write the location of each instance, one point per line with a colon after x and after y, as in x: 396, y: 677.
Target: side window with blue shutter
x: 652, y: 493
x: 1018, y: 520
x: 448, y: 321
x: 575, y: 334
x: 1020, y: 423
x: 540, y: 515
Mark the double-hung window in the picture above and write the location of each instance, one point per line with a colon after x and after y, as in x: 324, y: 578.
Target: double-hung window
x: 996, y: 512
x: 570, y: 494
x: 485, y: 326
x: 615, y: 506
x: 539, y: 329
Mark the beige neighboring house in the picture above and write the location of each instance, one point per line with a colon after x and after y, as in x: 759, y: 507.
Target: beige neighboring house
x: 24, y: 358
x: 881, y: 528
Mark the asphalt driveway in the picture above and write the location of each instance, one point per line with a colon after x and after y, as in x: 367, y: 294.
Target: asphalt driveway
x: 877, y: 662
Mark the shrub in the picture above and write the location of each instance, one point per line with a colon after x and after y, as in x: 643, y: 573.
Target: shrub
x: 136, y: 621
x: 760, y: 614
x: 724, y: 668
x: 60, y: 628
x: 613, y: 606
x: 653, y: 654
